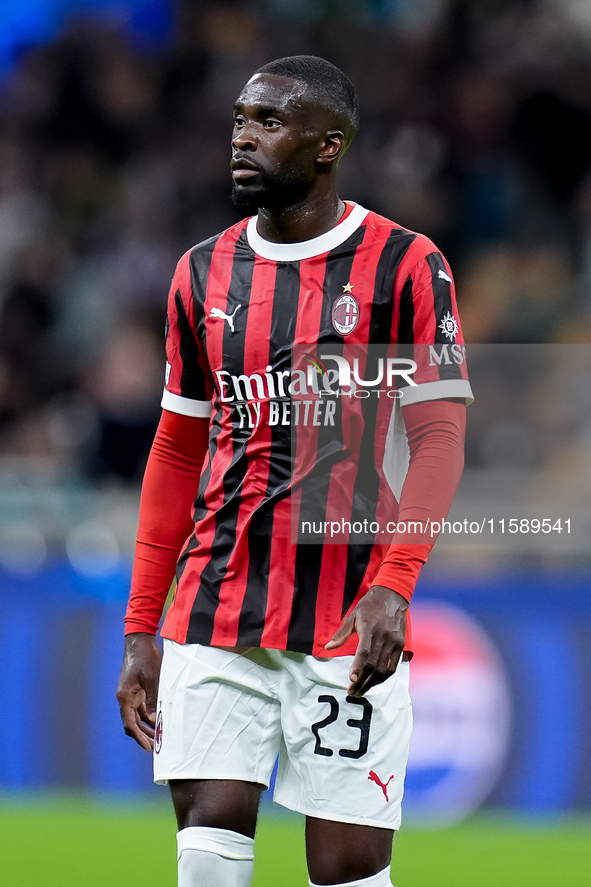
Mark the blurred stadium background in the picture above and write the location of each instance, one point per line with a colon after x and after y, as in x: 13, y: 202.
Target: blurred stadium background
x: 114, y: 146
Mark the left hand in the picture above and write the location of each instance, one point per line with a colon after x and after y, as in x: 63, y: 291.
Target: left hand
x: 138, y: 687
x: 379, y: 619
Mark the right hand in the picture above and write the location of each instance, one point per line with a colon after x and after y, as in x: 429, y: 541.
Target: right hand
x: 138, y: 688
x: 379, y: 620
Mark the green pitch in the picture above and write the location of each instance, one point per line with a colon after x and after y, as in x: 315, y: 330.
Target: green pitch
x: 75, y: 843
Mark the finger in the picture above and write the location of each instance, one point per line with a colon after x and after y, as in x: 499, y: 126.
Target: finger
x: 370, y: 678
x: 367, y: 680
x: 132, y: 727
x: 151, y: 703
x: 375, y: 659
x: 359, y: 662
x: 147, y: 716
x: 363, y: 666
x: 395, y: 659
x: 385, y: 668
x: 389, y: 658
x: 362, y: 684
x: 342, y: 634
x: 145, y: 725
x: 368, y: 649
x: 131, y: 694
x: 146, y: 730
x: 141, y: 736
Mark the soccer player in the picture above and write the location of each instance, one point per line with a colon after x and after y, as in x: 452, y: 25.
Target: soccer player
x: 274, y: 646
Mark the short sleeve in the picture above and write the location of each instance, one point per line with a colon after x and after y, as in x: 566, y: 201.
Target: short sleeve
x: 429, y: 331
x: 188, y: 388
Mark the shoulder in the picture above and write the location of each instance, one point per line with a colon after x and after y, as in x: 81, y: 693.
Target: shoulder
x: 196, y: 261
x: 228, y: 237
x: 411, y: 248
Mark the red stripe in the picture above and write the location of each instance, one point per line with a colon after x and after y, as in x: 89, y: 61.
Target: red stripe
x: 414, y: 255
x: 281, y: 573
x: 218, y: 284
x: 283, y: 550
x: 329, y: 601
x: 180, y: 282
x: 425, y: 321
x: 423, y: 298
x: 256, y: 358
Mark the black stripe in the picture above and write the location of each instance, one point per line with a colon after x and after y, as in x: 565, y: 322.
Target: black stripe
x: 200, y: 264
x: 393, y: 252
x: 330, y: 451
x: 192, y: 376
x: 260, y: 532
x: 366, y: 490
x: 442, y: 306
x: 183, y: 560
x: 200, y: 628
x: 200, y: 511
x: 405, y: 333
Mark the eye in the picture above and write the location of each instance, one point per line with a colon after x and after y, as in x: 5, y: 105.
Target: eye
x: 239, y: 120
x: 271, y: 123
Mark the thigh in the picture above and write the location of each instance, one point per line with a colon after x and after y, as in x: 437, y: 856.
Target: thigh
x: 344, y: 758
x: 339, y: 852
x: 217, y: 803
x: 218, y: 717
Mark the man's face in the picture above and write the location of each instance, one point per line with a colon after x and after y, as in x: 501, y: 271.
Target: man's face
x: 278, y: 132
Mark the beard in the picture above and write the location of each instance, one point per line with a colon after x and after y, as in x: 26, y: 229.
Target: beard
x: 276, y: 191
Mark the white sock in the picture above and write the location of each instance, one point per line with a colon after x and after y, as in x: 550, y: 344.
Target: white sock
x: 381, y: 879
x: 214, y: 857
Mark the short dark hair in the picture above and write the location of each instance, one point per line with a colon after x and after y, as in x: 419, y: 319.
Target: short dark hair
x: 330, y: 86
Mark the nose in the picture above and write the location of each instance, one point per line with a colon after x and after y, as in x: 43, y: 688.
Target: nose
x: 244, y: 138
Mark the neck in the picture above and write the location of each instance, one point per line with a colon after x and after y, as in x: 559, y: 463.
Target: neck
x: 313, y: 217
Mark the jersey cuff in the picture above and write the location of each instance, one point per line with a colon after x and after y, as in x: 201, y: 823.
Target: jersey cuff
x: 200, y: 409
x: 436, y: 391
x: 133, y: 626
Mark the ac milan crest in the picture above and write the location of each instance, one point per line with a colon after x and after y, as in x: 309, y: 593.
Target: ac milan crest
x: 158, y: 733
x: 345, y: 314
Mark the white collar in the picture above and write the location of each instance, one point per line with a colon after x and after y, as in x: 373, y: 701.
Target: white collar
x: 305, y: 249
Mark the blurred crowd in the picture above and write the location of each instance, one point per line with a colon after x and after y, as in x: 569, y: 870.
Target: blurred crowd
x: 476, y: 130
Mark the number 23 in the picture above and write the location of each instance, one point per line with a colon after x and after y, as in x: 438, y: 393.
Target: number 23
x: 362, y: 725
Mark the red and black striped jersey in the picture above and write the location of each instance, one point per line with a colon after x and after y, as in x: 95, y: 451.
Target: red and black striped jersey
x: 239, y: 308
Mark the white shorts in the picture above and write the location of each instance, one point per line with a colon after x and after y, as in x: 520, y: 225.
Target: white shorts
x: 227, y: 715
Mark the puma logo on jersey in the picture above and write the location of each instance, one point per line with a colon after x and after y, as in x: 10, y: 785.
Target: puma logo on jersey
x: 217, y: 312
x: 383, y: 785
x: 443, y: 276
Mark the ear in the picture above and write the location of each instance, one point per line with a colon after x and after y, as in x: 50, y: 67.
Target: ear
x: 332, y: 148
